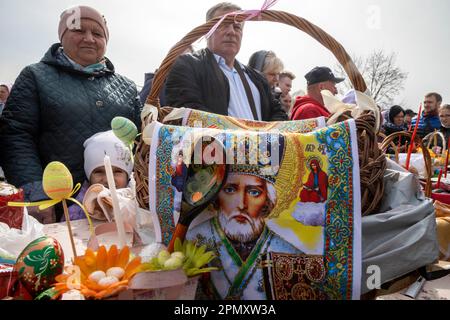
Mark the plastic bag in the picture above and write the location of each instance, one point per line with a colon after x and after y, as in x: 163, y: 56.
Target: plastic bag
x: 13, y: 241
x: 416, y: 161
x: 402, y: 236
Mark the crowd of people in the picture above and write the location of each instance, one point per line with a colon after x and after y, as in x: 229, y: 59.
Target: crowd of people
x: 433, y: 119
x: 59, y: 103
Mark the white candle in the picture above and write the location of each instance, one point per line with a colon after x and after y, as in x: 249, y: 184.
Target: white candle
x: 116, y: 207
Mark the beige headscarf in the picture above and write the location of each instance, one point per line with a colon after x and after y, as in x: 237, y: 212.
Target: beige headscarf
x: 71, y: 17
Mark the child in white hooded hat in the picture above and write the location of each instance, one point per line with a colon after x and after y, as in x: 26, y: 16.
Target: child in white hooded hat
x: 95, y: 149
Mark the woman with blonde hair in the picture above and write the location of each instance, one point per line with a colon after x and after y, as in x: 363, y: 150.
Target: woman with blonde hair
x: 268, y: 64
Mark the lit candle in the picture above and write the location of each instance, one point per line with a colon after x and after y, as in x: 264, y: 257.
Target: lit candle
x: 115, y: 200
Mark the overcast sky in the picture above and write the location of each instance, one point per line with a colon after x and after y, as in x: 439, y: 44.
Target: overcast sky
x: 142, y: 32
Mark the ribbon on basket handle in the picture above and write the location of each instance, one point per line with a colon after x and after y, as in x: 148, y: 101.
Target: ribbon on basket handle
x: 251, y: 14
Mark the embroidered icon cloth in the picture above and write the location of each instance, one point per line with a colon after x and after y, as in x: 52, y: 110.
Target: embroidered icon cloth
x: 285, y: 192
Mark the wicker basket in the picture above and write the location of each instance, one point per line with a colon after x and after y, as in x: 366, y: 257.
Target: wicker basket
x: 432, y: 138
x: 159, y: 285
x: 389, y: 141
x: 372, y: 161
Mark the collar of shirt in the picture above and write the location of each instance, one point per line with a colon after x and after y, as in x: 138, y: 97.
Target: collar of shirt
x: 221, y: 61
x: 238, y: 106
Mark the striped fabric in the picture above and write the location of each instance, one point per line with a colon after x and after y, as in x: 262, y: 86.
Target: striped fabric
x: 427, y: 124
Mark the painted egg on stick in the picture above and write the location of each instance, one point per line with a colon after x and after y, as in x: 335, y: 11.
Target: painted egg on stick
x: 39, y: 263
x: 57, y: 181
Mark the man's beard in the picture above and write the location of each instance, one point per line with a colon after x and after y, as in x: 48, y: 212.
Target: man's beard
x: 431, y: 112
x: 248, y: 231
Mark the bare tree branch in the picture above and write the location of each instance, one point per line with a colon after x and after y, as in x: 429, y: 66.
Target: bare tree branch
x: 383, y: 78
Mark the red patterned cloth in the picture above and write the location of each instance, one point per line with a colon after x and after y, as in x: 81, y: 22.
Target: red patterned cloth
x: 293, y: 276
x: 12, y: 216
x: 10, y: 286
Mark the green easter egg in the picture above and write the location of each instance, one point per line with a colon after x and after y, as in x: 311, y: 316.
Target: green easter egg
x: 124, y: 129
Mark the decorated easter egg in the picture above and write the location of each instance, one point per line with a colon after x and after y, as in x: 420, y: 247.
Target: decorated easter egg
x: 124, y: 129
x: 57, y: 181
x: 39, y: 263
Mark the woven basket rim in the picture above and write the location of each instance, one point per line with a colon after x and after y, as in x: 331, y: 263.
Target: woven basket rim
x: 269, y: 16
x: 388, y: 141
x: 431, y: 136
x: 368, y: 155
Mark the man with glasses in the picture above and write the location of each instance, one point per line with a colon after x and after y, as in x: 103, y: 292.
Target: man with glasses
x: 444, y: 116
x: 213, y: 80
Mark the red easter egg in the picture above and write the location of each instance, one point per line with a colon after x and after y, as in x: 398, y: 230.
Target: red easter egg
x: 39, y: 263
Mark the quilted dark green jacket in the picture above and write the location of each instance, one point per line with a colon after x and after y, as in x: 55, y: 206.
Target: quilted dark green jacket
x: 53, y: 108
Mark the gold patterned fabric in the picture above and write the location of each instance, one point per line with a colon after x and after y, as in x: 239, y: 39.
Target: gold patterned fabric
x: 293, y: 277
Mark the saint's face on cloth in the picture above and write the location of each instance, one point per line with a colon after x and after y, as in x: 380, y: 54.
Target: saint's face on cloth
x: 243, y: 203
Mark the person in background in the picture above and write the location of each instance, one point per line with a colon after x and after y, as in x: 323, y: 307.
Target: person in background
x: 384, y: 116
x: 148, y: 83
x: 285, y: 82
x: 436, y: 143
x: 95, y: 149
x: 409, y: 115
x: 444, y: 117
x: 312, y: 105
x: 213, y: 80
x: 395, y: 123
x: 4, y: 94
x: 56, y: 104
x: 268, y: 64
x: 294, y: 96
x: 429, y: 119
x: 286, y: 101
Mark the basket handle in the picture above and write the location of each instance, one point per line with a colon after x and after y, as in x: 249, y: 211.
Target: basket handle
x: 430, y: 138
x: 426, y: 155
x: 268, y: 15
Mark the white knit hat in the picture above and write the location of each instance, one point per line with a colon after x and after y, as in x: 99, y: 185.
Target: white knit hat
x: 106, y: 143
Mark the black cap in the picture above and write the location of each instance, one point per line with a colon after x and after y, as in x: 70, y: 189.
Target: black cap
x: 321, y: 74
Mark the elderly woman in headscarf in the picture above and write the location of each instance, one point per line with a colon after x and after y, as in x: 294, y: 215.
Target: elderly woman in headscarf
x: 396, y: 123
x: 56, y: 104
x: 270, y: 66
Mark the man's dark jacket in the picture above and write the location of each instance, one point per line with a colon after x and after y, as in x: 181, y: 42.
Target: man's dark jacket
x: 197, y: 82
x: 145, y: 91
x: 53, y: 108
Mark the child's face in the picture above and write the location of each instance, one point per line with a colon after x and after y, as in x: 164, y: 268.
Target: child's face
x: 99, y: 176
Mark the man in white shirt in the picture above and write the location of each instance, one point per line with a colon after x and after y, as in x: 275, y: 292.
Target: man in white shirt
x: 213, y: 80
